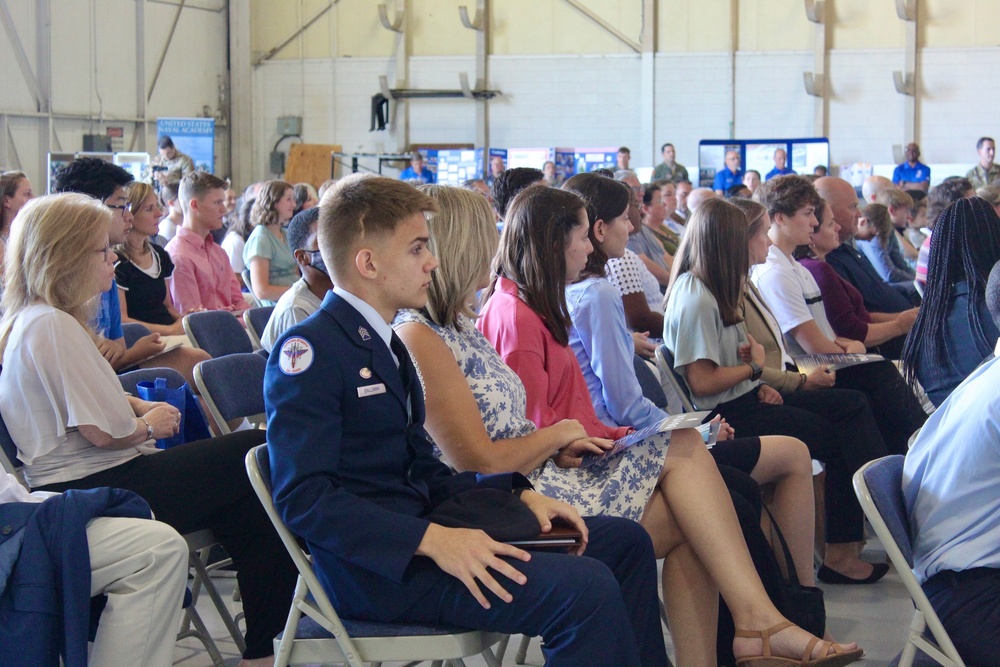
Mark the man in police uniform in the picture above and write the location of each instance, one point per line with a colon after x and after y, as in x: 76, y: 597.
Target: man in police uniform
x: 354, y: 475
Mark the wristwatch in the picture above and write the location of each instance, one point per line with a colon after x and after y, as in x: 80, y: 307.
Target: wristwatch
x: 755, y: 370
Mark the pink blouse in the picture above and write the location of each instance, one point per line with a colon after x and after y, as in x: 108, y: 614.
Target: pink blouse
x: 550, y: 372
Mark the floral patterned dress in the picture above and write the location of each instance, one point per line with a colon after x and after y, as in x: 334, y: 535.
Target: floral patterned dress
x: 620, y: 486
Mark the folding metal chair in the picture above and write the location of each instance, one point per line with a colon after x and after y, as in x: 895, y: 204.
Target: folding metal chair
x: 649, y: 383
x: 232, y: 387
x: 256, y: 321
x: 201, y: 541
x: 218, y: 332
x: 314, y: 633
x: 193, y: 625
x: 134, y: 331
x: 879, y: 487
x: 671, y: 381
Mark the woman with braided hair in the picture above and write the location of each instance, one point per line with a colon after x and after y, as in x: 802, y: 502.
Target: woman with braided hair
x: 954, y: 331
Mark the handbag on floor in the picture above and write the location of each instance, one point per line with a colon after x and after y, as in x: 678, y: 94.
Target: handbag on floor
x: 802, y: 605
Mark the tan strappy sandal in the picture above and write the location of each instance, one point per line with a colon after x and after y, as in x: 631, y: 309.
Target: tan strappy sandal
x: 830, y: 655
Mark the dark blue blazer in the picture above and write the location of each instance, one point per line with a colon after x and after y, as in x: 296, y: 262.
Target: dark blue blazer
x: 855, y: 268
x: 352, y: 473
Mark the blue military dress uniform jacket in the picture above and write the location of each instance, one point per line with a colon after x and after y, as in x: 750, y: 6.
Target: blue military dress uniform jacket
x: 352, y: 469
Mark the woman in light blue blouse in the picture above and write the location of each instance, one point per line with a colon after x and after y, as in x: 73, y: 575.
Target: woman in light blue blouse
x: 266, y: 254
x: 603, y: 346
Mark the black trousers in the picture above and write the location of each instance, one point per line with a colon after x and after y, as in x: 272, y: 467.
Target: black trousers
x: 839, y: 429
x: 204, y: 485
x: 897, y: 411
x: 968, y: 604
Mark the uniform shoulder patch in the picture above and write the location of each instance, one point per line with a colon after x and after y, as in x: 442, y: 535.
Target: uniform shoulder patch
x: 296, y: 356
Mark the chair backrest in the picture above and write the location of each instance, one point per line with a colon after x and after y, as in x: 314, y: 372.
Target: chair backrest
x: 134, y: 331
x: 8, y: 452
x: 879, y: 487
x: 256, y: 321
x: 671, y: 381
x: 250, y: 297
x: 648, y: 382
x: 218, y: 332
x: 233, y: 387
x: 131, y: 379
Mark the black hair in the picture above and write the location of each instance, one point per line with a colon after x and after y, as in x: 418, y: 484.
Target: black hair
x: 736, y: 190
x: 91, y: 176
x: 649, y: 189
x: 606, y: 200
x: 965, y: 246
x: 165, y: 142
x: 664, y: 146
x: 299, y: 228
x: 509, y: 182
x: 983, y: 140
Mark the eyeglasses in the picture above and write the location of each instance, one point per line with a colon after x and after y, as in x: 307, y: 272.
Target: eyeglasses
x: 105, y: 251
x: 124, y: 208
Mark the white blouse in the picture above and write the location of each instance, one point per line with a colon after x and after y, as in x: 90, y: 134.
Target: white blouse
x: 54, y: 379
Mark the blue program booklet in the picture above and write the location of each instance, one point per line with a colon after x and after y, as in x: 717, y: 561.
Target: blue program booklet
x: 687, y: 420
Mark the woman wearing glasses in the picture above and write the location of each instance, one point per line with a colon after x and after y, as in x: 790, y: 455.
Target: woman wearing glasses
x: 85, y: 432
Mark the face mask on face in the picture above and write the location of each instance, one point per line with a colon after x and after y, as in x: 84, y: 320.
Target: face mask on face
x: 316, y: 261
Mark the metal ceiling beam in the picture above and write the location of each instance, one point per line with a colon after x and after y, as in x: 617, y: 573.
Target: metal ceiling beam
x: 166, y: 47
x: 22, y: 57
x: 615, y: 32
x: 298, y: 31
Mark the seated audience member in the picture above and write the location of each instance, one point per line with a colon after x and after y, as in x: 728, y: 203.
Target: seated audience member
x: 738, y: 190
x: 86, y: 432
x: 15, y: 192
x: 940, y: 197
x: 781, y: 167
x: 266, y: 254
x: 949, y: 486
x: 722, y: 366
x: 670, y: 169
x: 306, y: 295
x: 305, y: 197
x: 641, y: 296
x: 507, y: 183
x: 603, y: 348
x: 954, y: 331
x: 912, y: 174
x: 985, y: 171
x: 917, y: 224
x: 530, y: 280
x: 551, y: 177
x: 883, y: 248
x: 991, y: 193
x: 847, y: 260
x: 873, y: 186
x: 497, y: 167
x: 882, y: 333
x: 171, y: 202
x: 355, y: 476
x: 751, y: 179
x: 729, y: 175
x: 696, y: 197
x: 236, y: 236
x: 642, y: 241
x: 623, y: 158
x: 654, y: 214
x: 140, y: 565
x: 417, y: 172
x: 107, y: 182
x: 327, y: 184
x: 683, y: 190
x: 142, y: 268
x: 792, y: 294
x: 820, y: 170
x: 203, y: 277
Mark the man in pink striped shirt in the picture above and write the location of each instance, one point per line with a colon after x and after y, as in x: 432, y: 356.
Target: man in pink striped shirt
x: 203, y: 278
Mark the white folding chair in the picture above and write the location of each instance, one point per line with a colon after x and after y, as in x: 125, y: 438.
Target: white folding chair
x: 314, y: 633
x: 878, y: 486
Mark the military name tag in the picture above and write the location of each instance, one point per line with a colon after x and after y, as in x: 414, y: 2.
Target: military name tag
x: 371, y: 390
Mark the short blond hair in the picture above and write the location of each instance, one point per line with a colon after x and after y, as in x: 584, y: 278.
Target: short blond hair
x: 197, y: 184
x: 361, y: 208
x: 464, y: 238
x: 52, y: 238
x: 894, y: 198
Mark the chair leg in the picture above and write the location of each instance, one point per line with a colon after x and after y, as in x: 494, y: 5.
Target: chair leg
x: 220, y: 604
x: 200, y: 632
x: 522, y: 650
x: 502, y: 648
x: 490, y: 659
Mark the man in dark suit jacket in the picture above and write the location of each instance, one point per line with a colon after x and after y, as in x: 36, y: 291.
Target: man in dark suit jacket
x: 847, y: 261
x: 354, y: 475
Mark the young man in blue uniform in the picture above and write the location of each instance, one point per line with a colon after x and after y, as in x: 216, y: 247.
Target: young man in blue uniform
x: 354, y: 475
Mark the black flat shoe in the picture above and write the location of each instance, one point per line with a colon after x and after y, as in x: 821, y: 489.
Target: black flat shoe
x: 828, y: 576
